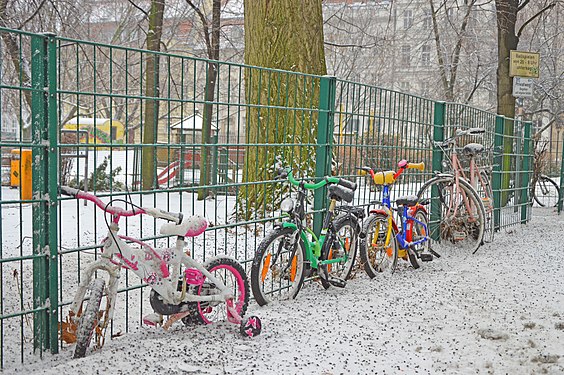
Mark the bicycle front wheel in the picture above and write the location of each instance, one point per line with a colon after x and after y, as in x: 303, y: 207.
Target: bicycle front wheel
x: 377, y: 254
x: 546, y: 192
x: 278, y: 267
x: 90, y: 318
x: 457, y: 216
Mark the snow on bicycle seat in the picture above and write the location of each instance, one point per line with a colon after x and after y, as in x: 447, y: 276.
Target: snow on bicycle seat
x: 340, y: 193
x: 472, y: 149
x: 407, y: 200
x: 191, y: 226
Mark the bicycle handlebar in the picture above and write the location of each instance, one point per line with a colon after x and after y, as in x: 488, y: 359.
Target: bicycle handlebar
x: 389, y: 177
x: 287, y: 173
x: 459, y: 133
x: 118, y: 211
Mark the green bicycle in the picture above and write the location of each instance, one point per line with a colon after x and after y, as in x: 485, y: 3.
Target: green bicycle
x: 291, y: 249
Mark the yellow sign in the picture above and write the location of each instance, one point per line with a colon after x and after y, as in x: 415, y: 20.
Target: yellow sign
x: 524, y: 64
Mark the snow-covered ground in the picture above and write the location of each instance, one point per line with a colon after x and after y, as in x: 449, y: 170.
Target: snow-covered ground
x: 500, y: 311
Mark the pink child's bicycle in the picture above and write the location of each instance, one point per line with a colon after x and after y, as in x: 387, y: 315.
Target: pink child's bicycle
x: 181, y: 288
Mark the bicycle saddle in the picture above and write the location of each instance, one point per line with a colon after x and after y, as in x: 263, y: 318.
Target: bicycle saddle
x: 472, y: 149
x: 340, y: 192
x: 407, y: 200
x: 191, y: 226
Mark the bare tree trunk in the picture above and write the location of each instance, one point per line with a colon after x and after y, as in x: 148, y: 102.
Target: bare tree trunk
x: 286, y: 35
x: 150, y: 129
x: 211, y: 77
x: 448, y: 73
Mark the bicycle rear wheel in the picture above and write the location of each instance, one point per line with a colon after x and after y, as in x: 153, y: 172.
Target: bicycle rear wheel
x: 375, y: 254
x: 278, y: 267
x: 232, y: 274
x: 457, y: 216
x: 419, y: 232
x: 546, y: 192
x: 345, y: 243
x: 485, y: 192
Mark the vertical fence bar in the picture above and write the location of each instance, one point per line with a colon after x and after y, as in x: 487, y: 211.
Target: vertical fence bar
x: 39, y: 186
x: 437, y: 160
x: 525, y: 172
x: 497, y: 170
x: 52, y: 184
x: 561, y: 191
x: 325, y: 125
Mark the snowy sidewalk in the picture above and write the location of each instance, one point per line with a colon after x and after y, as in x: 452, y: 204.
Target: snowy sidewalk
x: 498, y: 311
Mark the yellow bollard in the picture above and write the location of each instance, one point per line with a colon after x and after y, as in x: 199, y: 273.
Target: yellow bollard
x: 20, y: 174
x: 15, y: 168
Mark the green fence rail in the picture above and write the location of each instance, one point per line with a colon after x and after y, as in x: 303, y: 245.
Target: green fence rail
x: 215, y: 131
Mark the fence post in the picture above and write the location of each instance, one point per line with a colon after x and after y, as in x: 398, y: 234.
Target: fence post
x: 525, y: 169
x: 437, y: 161
x: 496, y: 183
x: 45, y: 179
x: 325, y: 125
x: 561, y: 191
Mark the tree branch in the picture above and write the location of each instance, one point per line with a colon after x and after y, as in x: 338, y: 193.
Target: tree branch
x: 139, y: 8
x: 533, y: 17
x: 204, y: 21
x: 33, y: 15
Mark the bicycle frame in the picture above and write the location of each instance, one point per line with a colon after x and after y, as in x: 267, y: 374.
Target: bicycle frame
x: 405, y: 236
x: 314, y: 245
x: 150, y: 265
x: 473, y: 176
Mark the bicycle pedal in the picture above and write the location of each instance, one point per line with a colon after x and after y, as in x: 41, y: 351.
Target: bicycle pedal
x: 153, y: 319
x: 435, y: 254
x: 335, y: 281
x: 426, y: 257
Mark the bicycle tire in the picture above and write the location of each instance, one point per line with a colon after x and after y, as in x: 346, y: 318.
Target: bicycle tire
x: 418, y: 231
x: 226, y: 269
x: 89, y: 318
x: 450, y: 222
x: 546, y: 192
x: 346, y: 235
x: 277, y: 282
x: 374, y: 255
x: 485, y: 192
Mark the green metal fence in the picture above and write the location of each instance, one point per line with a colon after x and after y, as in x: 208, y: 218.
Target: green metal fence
x: 87, y: 116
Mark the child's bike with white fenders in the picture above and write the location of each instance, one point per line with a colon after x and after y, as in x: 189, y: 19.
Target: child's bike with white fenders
x: 181, y: 288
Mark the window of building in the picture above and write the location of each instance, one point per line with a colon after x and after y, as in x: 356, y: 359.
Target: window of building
x: 407, y: 19
x: 426, y: 55
x: 427, y: 20
x: 405, y: 55
x: 404, y: 86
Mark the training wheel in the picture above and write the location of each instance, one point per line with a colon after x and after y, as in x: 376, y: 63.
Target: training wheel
x: 251, y: 326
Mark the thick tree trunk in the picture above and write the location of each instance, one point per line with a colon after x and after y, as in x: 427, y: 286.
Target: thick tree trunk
x: 150, y: 127
x: 507, y: 40
x: 288, y: 35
